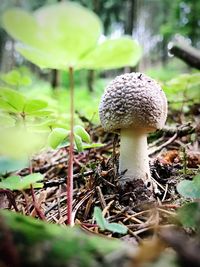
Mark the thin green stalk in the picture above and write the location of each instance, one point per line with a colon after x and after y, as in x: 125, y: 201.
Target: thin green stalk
x: 70, y: 219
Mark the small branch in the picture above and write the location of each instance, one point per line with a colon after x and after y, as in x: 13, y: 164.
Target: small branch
x: 101, y: 197
x: 63, y: 180
x: 169, y: 141
x: 10, y: 197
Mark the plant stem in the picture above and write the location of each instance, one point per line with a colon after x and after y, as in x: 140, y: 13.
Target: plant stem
x: 70, y: 219
x: 37, y: 208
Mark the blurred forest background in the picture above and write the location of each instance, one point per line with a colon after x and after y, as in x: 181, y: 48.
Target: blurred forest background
x: 152, y: 23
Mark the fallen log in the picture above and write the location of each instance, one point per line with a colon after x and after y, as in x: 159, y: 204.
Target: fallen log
x: 181, y: 49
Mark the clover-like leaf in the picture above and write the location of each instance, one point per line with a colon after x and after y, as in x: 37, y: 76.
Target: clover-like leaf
x: 190, y: 189
x: 20, y: 183
x: 189, y: 214
x: 113, y: 53
x: 21, y: 25
x: 57, y: 137
x: 12, y: 98
x: 65, y: 41
x: 33, y: 105
x: 105, y: 225
x: 8, y: 164
x: 98, y: 216
x: 78, y: 142
x: 93, y: 145
x: 79, y: 130
x: 117, y: 228
x: 53, y: 36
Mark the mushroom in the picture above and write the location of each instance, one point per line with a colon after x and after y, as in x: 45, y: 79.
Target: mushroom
x: 133, y: 105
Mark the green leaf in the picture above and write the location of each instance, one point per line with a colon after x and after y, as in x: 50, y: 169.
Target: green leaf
x: 79, y: 130
x: 98, y: 216
x: 190, y: 189
x: 10, y: 164
x: 12, y: 77
x: 78, y: 142
x: 5, y: 106
x: 57, y: 137
x: 41, y: 58
x: 189, y: 215
x: 184, y: 81
x: 18, y: 143
x: 116, y: 228
x: 58, y: 42
x: 15, y: 78
x: 20, y: 183
x: 6, y: 121
x: 33, y: 105
x: 105, y: 225
x: 113, y: 53
x: 22, y: 26
x: 93, y: 145
x: 45, y: 125
x: 40, y: 113
x: 25, y: 80
x: 13, y: 98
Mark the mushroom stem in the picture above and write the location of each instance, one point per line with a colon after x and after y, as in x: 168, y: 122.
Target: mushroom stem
x: 134, y: 160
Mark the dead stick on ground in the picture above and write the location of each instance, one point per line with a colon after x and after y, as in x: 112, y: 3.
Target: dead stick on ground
x: 169, y: 141
x: 101, y: 197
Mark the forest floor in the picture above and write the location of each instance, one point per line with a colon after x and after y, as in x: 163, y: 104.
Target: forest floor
x: 174, y: 156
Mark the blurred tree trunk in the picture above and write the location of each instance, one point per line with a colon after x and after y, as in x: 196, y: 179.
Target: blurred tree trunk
x: 131, y: 11
x: 90, y: 80
x: 55, y: 73
x: 91, y: 73
x: 130, y: 24
x: 55, y: 78
x: 166, y: 38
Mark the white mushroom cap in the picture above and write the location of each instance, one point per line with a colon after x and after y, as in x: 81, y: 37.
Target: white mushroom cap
x: 133, y: 100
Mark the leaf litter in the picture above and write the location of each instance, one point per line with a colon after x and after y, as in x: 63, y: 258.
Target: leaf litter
x: 174, y: 156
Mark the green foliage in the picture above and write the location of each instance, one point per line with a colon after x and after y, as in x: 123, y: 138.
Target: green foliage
x: 59, y: 137
x: 15, y: 102
x: 18, y: 143
x: 9, y: 164
x: 184, y: 87
x: 113, y: 53
x: 184, y: 82
x: 11, y: 100
x: 190, y: 189
x: 64, y: 42
x: 189, y: 215
x: 16, y: 78
x: 80, y: 131
x: 105, y: 225
x: 20, y: 183
x: 6, y: 120
x: 165, y: 73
